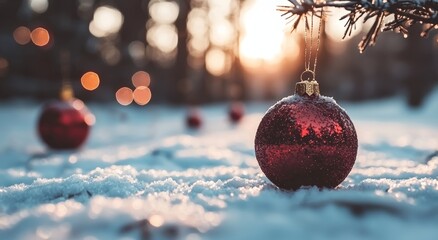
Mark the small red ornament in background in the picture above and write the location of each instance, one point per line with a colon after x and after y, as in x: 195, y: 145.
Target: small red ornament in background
x: 236, y: 112
x: 65, y: 124
x: 194, y: 119
x: 306, y: 140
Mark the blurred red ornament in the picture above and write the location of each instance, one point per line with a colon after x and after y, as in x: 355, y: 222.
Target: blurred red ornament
x: 306, y: 140
x: 236, y: 112
x: 194, y: 119
x: 65, y: 124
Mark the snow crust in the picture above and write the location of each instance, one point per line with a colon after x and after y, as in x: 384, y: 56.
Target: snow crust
x: 142, y: 164
x: 294, y: 98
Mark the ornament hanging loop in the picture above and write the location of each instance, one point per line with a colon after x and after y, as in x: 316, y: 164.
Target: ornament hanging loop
x: 308, y: 85
x: 306, y: 74
x: 308, y: 47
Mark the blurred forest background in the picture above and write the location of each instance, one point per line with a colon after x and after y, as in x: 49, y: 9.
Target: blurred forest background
x: 197, y: 51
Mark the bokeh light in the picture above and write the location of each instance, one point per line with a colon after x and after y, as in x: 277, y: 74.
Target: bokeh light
x: 90, y: 119
x: 161, y: 32
x: 22, y: 35
x: 156, y: 220
x: 197, y: 46
x: 40, y: 36
x: 90, y: 81
x: 110, y: 54
x: 137, y: 51
x: 38, y: 6
x: 163, y: 36
x: 78, y: 105
x: 222, y: 33
x: 164, y: 12
x: 85, y: 7
x: 124, y: 96
x: 196, y: 23
x: 217, y: 62
x: 142, y: 95
x: 141, y: 78
x: 106, y: 21
x: 220, y: 8
x: 4, y: 65
x: 197, y: 26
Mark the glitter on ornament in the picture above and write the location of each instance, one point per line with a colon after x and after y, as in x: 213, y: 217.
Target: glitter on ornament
x: 65, y: 124
x: 306, y: 140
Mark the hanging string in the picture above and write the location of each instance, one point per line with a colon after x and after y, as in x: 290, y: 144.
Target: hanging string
x: 66, y: 87
x: 308, y: 49
x: 308, y: 46
x: 318, y: 40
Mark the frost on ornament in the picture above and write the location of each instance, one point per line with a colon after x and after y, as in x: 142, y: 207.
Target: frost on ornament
x: 306, y: 141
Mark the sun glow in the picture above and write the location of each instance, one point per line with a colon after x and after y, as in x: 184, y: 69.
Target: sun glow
x: 335, y: 28
x: 263, y: 34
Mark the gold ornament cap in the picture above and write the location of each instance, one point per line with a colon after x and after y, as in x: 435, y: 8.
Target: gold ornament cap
x: 308, y: 88
x: 66, y: 93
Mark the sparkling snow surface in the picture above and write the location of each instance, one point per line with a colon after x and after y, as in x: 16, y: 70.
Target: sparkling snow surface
x: 143, y: 175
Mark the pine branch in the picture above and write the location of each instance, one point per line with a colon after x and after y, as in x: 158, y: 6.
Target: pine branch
x: 388, y: 15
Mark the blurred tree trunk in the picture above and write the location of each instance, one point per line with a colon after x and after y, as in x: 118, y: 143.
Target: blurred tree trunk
x: 8, y: 12
x: 237, y: 83
x: 180, y: 69
x: 237, y: 87
x: 135, y: 13
x: 422, y: 58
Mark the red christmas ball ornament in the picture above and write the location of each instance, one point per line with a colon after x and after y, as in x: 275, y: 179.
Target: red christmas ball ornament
x: 65, y: 124
x: 194, y: 119
x: 236, y: 112
x: 306, y: 140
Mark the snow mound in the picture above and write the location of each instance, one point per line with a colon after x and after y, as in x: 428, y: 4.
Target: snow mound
x: 144, y: 176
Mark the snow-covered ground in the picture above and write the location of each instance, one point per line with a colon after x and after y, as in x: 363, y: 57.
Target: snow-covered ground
x: 143, y: 175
